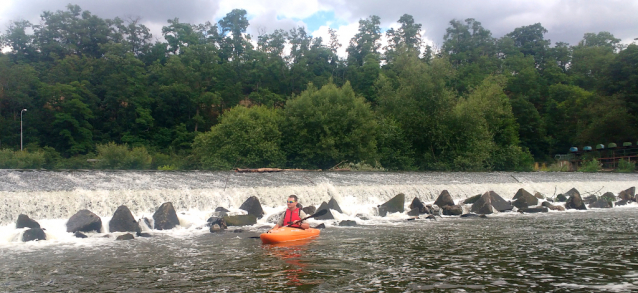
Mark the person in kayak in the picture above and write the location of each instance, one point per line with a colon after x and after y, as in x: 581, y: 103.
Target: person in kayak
x: 292, y: 216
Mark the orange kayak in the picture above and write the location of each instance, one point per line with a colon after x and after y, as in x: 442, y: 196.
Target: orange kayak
x: 287, y: 234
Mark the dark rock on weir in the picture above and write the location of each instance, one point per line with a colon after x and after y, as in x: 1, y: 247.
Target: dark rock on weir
x: 628, y: 194
x: 539, y: 195
x: 534, y: 210
x: 221, y: 209
x: 499, y: 203
x: 622, y: 202
x: 334, y: 205
x: 217, y: 221
x: 220, y: 212
x: 418, y: 205
x: 127, y: 236
x: 590, y: 199
x: 431, y: 217
x: 328, y: 215
x: 84, y: 221
x: 309, y: 210
x: 240, y: 220
x: 394, y: 205
x: 33, y: 234
x: 414, y: 212
x: 561, y: 198
x: 165, y: 217
x: 483, y: 205
x: 238, y: 231
x: 362, y: 217
x: 602, y: 203
x: 571, y: 192
x: 552, y: 207
x: 320, y: 226
x: 79, y: 235
x: 454, y: 210
x: 146, y: 235
x: 347, y: 223
x: 253, y: 207
x: 469, y: 215
x: 575, y: 202
x: 524, y: 199
x: 215, y: 229
x: 25, y: 222
x: 472, y: 199
x: 609, y: 196
x: 123, y: 221
x: 444, y: 199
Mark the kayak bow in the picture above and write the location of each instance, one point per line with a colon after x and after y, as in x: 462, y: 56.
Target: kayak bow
x: 287, y: 234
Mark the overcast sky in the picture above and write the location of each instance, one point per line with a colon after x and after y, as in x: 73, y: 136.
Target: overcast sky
x: 566, y: 20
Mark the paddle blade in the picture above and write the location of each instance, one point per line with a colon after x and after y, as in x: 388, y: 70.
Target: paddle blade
x: 319, y: 213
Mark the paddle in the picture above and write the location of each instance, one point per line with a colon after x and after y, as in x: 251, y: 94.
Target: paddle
x: 317, y: 214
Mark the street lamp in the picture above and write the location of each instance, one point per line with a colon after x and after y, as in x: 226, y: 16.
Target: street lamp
x: 23, y: 110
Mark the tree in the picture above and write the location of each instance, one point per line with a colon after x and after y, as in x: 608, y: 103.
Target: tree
x: 326, y: 126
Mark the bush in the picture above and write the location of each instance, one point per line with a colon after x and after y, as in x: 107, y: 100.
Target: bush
x: 556, y: 167
x: 590, y: 166
x: 21, y: 159
x: 625, y: 166
x: 77, y: 162
x: 114, y: 156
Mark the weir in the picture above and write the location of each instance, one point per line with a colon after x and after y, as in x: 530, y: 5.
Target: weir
x: 58, y: 195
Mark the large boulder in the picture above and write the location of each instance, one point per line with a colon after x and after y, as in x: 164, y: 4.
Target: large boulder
x: 590, y: 199
x: 414, y: 212
x: 561, y: 198
x: 472, y: 199
x: 127, y: 236
x: 347, y: 223
x: 165, y: 218
x: 25, y: 222
x: 444, y: 199
x: 602, y: 203
x: 539, y: 195
x: 33, y: 234
x: 309, y: 210
x: 452, y: 210
x: 571, y: 192
x: 123, y: 221
x: 394, y: 205
x: 609, y: 196
x: 534, y: 210
x: 524, y: 199
x: 628, y: 194
x: 575, y: 202
x: 328, y: 215
x: 552, y: 207
x: 253, y: 207
x: 622, y: 202
x: 240, y: 220
x: 499, y: 203
x: 483, y: 205
x: 84, y: 221
x: 419, y: 206
x: 217, y: 221
x: 334, y: 205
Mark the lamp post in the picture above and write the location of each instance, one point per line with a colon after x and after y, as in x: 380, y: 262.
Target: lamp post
x: 23, y: 110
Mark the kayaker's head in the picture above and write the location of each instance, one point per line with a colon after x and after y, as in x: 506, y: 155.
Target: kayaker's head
x: 292, y: 202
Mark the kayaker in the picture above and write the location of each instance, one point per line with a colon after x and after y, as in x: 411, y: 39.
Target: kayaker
x: 292, y: 215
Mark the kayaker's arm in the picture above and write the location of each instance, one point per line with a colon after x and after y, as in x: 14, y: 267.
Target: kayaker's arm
x: 303, y: 225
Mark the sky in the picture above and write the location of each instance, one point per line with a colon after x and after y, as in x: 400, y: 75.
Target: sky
x: 566, y: 20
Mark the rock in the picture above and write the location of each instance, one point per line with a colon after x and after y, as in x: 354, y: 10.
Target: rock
x: 238, y: 231
x: 215, y: 229
x: 453, y: 210
x: 469, y: 215
x: 394, y: 205
x: 33, y: 234
x: 444, y: 199
x: 334, y: 205
x: 347, y: 223
x: 25, y: 222
x: 414, y: 212
x: 552, y: 207
x: 240, y: 220
x: 609, y: 196
x: 418, y: 205
x: 123, y: 221
x: 590, y: 199
x: 221, y: 209
x: 472, y: 199
x: 483, y: 216
x: 539, y: 195
x: 217, y: 221
x: 320, y: 226
x: 575, y: 202
x: 413, y: 219
x: 561, y: 198
x: 434, y: 210
x: 602, y: 203
x: 79, y: 235
x: 309, y: 210
x: 499, y: 203
x: 431, y: 217
x: 253, y: 207
x: 521, y: 192
x: 328, y: 215
x: 483, y: 205
x: 146, y: 235
x: 84, y: 221
x: 534, y: 210
x: 524, y: 199
x: 220, y: 212
x: 300, y: 206
x: 362, y: 217
x: 628, y: 194
x: 165, y: 217
x: 127, y: 236
x: 622, y: 202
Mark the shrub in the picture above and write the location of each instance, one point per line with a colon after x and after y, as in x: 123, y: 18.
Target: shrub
x: 556, y: 167
x: 590, y: 166
x: 114, y: 156
x: 21, y: 159
x: 625, y: 166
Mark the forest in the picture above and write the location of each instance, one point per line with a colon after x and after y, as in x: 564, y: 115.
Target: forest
x: 106, y: 94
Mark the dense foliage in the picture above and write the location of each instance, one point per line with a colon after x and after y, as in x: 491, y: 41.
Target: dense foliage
x: 210, y: 96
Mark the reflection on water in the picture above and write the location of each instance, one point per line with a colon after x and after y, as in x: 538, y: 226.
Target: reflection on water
x: 591, y: 251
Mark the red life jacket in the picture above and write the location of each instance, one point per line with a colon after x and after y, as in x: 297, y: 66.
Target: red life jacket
x: 292, y: 216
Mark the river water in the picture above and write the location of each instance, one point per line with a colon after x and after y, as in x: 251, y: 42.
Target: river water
x: 573, y: 251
